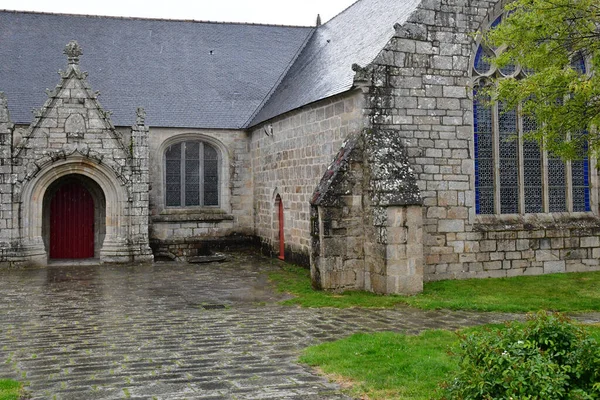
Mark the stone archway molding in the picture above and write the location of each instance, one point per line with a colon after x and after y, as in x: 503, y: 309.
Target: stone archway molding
x: 114, y: 248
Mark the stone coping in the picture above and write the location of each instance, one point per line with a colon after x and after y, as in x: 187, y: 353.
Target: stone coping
x: 530, y: 222
x: 193, y: 215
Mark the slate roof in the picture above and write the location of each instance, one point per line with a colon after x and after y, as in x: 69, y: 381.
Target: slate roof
x: 193, y: 74
x: 324, y: 68
x: 165, y: 66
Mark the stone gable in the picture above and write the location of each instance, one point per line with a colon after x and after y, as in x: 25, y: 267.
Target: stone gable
x: 72, y: 140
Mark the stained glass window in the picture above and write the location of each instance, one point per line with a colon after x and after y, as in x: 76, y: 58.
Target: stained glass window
x: 191, y: 174
x: 512, y: 173
x: 532, y: 170
x: 173, y: 175
x: 484, y: 157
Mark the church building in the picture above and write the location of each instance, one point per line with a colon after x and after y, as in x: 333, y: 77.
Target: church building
x: 356, y: 147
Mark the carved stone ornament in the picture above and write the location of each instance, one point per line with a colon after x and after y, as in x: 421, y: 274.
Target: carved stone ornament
x: 73, y: 51
x: 3, y: 100
x: 361, y: 74
x: 75, y: 126
x: 140, y: 116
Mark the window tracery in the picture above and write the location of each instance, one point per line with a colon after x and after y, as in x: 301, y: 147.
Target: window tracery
x: 512, y: 174
x: 192, y: 174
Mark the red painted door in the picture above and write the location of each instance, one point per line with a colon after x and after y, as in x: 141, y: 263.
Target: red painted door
x: 281, y: 236
x: 72, y: 222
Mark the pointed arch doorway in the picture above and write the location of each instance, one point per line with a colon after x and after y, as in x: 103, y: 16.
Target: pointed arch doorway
x: 73, y: 218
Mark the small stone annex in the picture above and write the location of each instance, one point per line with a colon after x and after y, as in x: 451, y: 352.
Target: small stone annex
x: 356, y: 147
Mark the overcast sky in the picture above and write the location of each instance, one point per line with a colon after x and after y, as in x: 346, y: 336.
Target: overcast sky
x: 281, y: 12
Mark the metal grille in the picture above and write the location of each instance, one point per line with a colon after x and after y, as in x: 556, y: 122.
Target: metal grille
x: 509, y: 163
x: 211, y: 176
x: 192, y: 174
x: 581, y: 183
x: 193, y: 166
x: 173, y: 175
x: 557, y: 193
x: 484, y: 162
x: 532, y: 170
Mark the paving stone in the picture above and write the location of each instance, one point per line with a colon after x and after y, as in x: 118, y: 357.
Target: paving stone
x: 107, y: 332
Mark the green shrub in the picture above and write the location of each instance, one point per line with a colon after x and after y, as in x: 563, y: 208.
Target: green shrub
x: 549, y: 357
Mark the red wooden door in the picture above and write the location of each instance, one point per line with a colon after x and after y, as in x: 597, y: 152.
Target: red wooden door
x: 281, y: 236
x: 72, y: 222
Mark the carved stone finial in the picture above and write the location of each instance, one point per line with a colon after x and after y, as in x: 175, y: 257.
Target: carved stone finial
x: 140, y: 116
x: 318, y: 20
x: 73, y: 51
x: 3, y: 100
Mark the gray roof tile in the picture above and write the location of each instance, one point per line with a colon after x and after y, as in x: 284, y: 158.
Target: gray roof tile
x: 165, y: 66
x: 193, y: 74
x: 324, y: 68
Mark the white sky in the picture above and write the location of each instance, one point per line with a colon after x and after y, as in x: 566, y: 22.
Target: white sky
x: 280, y: 12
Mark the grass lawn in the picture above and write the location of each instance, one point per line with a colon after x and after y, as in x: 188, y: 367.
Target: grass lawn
x: 391, y: 365
x: 556, y: 292
x: 387, y: 365
x: 10, y: 390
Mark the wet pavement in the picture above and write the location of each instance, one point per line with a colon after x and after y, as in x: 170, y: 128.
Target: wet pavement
x: 176, y: 331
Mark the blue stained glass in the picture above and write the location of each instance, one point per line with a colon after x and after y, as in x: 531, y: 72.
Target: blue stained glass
x: 578, y: 63
x: 581, y: 180
x: 509, y: 163
x: 520, y: 160
x: 482, y: 65
x: 508, y: 69
x: 484, y: 165
x: 557, y: 185
x: 496, y: 22
x: 532, y: 170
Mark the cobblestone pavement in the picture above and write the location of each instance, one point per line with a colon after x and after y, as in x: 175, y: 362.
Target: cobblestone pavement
x: 175, y: 331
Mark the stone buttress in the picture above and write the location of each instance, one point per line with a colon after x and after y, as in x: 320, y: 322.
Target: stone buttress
x: 366, y: 213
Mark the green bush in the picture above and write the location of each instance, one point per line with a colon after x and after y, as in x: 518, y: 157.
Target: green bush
x: 549, y: 357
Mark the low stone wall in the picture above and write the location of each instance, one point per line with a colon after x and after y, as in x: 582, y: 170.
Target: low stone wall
x: 185, y: 249
x: 528, y: 245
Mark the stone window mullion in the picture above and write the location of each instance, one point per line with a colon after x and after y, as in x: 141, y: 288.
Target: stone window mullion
x: 546, y: 206
x: 520, y: 161
x: 569, y: 186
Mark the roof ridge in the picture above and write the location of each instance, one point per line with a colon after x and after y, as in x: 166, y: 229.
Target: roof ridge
x: 279, y: 80
x: 152, y: 19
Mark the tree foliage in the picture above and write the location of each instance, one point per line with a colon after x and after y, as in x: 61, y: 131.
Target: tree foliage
x: 548, y: 39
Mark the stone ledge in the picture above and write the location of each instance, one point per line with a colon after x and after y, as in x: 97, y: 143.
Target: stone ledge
x: 533, y: 222
x: 194, y: 215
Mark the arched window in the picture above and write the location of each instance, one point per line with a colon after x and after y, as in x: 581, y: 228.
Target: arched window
x: 192, y: 174
x: 514, y: 175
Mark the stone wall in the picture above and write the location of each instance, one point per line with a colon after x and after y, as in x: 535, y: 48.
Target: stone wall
x: 289, y: 156
x: 183, y: 232
x: 425, y: 95
x: 526, y: 245
x: 6, y: 220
